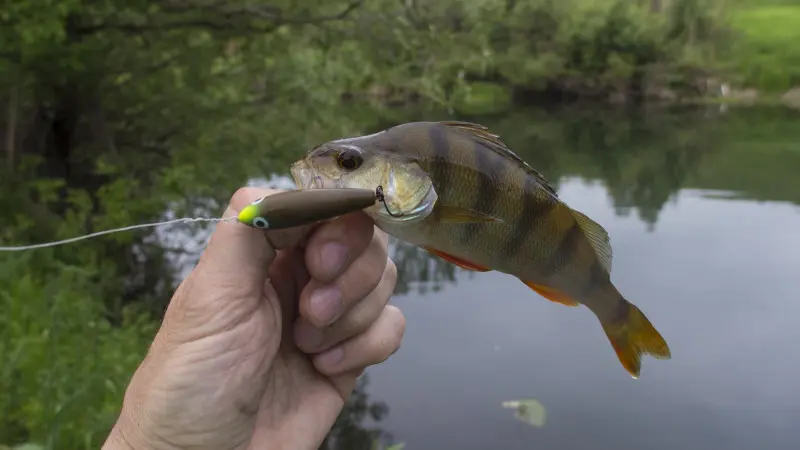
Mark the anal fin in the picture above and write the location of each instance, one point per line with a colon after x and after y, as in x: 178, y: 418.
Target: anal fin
x: 457, y: 261
x: 552, y: 294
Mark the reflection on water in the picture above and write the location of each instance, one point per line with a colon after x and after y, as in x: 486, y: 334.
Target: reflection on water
x: 350, y: 430
x: 710, y: 255
x: 420, y: 271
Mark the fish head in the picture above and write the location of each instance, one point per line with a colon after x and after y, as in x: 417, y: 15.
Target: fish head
x: 407, y: 191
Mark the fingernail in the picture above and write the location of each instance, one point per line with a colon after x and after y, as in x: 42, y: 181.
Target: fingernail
x: 308, y: 337
x: 333, y: 256
x: 331, y: 358
x: 326, y: 302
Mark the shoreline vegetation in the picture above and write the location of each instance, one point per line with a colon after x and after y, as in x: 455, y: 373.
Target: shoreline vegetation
x: 614, y: 52
x: 112, y: 112
x: 695, y: 52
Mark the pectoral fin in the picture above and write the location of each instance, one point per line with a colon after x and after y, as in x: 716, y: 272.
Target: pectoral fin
x: 554, y: 295
x: 457, y: 261
x: 453, y: 214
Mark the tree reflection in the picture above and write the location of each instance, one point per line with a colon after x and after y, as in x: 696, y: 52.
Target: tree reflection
x: 419, y: 271
x: 349, y: 432
x: 642, y: 158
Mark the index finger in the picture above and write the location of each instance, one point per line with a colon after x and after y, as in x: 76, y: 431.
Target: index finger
x: 336, y: 244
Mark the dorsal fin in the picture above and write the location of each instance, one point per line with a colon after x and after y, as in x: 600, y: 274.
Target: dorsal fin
x: 493, y: 142
x: 597, y: 236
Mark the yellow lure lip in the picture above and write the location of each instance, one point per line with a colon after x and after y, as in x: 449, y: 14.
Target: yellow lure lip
x: 248, y: 214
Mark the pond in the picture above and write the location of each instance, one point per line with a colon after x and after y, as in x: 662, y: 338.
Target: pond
x: 702, y: 210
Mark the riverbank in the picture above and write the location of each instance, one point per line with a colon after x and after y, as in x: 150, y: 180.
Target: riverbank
x: 748, y: 57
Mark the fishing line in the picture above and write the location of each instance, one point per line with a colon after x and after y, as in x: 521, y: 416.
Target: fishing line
x: 116, y: 230
x: 378, y: 193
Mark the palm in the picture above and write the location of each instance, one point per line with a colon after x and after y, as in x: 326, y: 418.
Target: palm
x: 247, y: 380
x: 294, y: 393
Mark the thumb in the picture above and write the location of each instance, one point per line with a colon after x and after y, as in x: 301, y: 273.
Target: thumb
x: 234, y: 267
x: 238, y: 257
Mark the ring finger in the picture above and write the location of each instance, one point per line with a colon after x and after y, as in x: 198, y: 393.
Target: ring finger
x: 374, y: 346
x: 358, y: 319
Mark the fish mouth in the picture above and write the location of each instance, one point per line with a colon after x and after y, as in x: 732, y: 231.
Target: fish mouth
x: 302, y: 174
x: 305, y: 177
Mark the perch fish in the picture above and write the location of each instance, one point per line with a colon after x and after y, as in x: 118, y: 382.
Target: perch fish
x: 456, y: 190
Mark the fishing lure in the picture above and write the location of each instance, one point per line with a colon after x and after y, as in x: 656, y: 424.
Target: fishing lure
x: 295, y: 208
x: 282, y: 210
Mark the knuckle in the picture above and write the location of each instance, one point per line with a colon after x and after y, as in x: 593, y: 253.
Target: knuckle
x: 353, y: 324
x: 360, y: 318
x: 357, y: 226
x: 396, y: 328
x: 382, y: 237
x: 390, y: 274
x: 399, y: 322
x: 242, y: 194
x: 367, y: 276
x: 247, y: 194
x: 379, y: 246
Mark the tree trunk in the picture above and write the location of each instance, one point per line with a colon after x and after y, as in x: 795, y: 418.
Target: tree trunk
x: 11, y: 127
x: 655, y: 6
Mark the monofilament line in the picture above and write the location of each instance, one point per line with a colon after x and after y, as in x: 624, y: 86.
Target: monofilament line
x: 116, y: 230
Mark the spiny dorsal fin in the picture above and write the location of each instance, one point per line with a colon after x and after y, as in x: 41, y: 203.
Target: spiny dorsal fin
x: 477, y: 130
x: 598, y: 237
x: 493, y: 142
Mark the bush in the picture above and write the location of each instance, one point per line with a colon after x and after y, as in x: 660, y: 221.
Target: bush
x: 64, y: 365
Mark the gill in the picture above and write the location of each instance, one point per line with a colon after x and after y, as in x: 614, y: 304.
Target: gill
x: 420, y: 211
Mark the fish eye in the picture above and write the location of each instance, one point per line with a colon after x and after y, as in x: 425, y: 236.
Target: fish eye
x: 350, y: 159
x: 260, y: 222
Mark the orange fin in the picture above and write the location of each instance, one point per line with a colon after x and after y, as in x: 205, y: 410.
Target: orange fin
x: 457, y: 261
x: 633, y: 337
x: 554, y: 295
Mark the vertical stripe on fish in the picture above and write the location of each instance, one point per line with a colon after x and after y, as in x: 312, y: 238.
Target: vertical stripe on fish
x: 536, y: 206
x: 440, y: 159
x: 489, y: 171
x: 566, y: 251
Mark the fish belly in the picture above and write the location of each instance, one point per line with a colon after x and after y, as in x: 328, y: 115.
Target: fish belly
x: 480, y: 244
x: 541, y: 258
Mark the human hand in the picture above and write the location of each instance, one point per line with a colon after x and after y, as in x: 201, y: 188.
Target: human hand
x: 262, y: 343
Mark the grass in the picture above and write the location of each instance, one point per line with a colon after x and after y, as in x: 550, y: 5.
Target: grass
x: 768, y: 56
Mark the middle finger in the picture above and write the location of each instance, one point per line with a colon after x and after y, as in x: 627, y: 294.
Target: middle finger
x: 323, y: 303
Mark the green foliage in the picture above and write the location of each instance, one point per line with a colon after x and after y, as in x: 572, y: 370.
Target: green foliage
x: 582, y: 47
x: 766, y: 54
x: 65, y: 366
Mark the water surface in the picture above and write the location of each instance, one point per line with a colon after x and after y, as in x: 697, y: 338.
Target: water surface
x: 705, y: 225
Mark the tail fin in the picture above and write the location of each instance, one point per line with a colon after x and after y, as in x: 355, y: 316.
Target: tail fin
x: 634, y: 336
